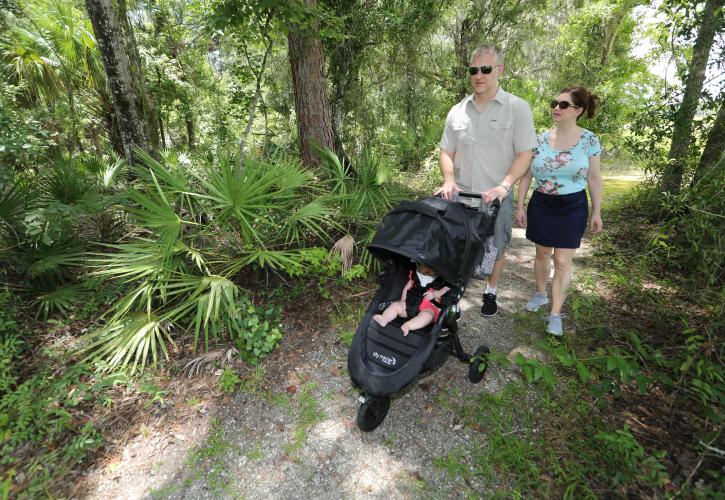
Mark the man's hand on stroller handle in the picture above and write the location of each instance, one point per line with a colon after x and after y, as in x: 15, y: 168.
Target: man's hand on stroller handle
x: 447, y: 190
x: 495, y: 193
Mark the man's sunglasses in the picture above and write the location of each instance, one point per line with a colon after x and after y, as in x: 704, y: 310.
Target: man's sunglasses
x: 486, y: 70
x: 562, y: 104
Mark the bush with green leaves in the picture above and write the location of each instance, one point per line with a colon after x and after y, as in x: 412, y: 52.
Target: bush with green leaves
x: 256, y: 330
x: 200, y: 225
x: 229, y: 380
x: 23, y: 139
x: 39, y: 419
x: 627, y: 461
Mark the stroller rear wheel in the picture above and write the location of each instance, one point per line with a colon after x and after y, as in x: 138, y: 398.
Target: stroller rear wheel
x: 479, y: 364
x: 372, y: 412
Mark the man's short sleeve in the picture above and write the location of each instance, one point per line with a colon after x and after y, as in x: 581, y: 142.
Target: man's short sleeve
x: 448, y: 140
x: 524, y: 132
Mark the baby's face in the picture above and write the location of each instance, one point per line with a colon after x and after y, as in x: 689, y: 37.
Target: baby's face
x: 423, y: 269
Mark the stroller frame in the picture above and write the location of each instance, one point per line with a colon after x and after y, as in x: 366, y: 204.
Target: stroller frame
x: 427, y: 348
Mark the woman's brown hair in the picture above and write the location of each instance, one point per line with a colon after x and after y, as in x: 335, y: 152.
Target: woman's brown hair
x: 583, y: 98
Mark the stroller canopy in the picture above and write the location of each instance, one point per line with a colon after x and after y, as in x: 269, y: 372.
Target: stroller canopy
x: 446, y: 235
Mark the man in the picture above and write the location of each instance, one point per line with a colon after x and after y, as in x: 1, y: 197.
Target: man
x: 486, y: 146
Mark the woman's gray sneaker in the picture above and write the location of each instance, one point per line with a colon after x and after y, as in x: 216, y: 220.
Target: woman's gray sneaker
x: 554, y: 326
x: 538, y: 300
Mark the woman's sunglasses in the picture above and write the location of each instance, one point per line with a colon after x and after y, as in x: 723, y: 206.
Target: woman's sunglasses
x: 562, y: 104
x: 486, y: 70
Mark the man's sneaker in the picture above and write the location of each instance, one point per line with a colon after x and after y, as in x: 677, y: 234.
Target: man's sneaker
x: 489, y: 307
x: 554, y: 326
x: 539, y: 299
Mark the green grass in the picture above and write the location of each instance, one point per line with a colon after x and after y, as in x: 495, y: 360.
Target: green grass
x: 615, y: 186
x: 310, y: 413
x: 208, y: 460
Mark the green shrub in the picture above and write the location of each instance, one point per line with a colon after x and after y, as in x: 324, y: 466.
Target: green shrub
x: 626, y: 460
x: 40, y: 431
x: 229, y: 380
x: 256, y: 330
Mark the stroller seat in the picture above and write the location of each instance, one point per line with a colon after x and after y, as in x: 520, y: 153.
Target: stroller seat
x: 389, y: 348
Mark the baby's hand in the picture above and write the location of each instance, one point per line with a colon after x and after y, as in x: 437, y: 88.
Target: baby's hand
x: 430, y: 295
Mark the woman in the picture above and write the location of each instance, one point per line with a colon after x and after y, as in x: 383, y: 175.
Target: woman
x: 566, y: 158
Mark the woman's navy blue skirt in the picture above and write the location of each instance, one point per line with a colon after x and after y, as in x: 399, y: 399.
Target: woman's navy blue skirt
x: 557, y: 221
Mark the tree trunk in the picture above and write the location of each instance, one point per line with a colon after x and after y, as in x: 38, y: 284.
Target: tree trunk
x: 110, y: 121
x: 682, y: 130
x: 142, y: 95
x: 713, y: 156
x: 314, y: 125
x: 106, y: 18
x: 463, y: 50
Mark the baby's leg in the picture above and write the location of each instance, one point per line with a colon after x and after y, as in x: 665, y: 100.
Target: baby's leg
x: 390, y: 313
x: 424, y: 318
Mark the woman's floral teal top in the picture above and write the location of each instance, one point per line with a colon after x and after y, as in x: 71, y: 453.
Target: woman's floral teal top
x: 563, y: 171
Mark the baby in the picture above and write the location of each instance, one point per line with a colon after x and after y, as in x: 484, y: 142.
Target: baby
x: 418, y: 300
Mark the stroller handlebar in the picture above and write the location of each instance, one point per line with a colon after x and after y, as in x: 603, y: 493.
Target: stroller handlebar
x: 469, y: 194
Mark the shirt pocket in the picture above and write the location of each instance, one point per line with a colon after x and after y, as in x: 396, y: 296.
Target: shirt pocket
x: 462, y: 130
x: 500, y: 130
x: 501, y: 123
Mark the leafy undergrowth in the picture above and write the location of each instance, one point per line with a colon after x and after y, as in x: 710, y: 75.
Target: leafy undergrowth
x: 59, y: 415
x: 628, y: 404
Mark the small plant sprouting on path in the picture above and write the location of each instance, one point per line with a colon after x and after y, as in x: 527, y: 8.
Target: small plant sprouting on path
x: 310, y: 413
x: 229, y: 380
x: 208, y: 460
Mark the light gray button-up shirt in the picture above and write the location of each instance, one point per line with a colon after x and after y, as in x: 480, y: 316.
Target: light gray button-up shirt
x: 485, y: 143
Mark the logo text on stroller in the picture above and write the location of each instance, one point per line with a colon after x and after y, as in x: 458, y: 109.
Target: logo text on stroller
x: 388, y: 360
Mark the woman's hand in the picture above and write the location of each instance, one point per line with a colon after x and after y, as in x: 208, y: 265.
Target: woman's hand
x: 597, y: 224
x: 521, y: 216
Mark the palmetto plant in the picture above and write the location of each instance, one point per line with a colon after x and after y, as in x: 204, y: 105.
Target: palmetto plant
x: 178, y: 275
x: 360, y: 192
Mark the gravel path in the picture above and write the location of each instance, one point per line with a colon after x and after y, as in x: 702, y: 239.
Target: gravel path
x: 294, y: 435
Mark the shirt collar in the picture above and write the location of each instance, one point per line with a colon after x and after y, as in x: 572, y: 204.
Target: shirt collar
x: 500, y: 96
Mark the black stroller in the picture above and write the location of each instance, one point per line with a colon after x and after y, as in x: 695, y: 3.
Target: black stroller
x: 447, y: 236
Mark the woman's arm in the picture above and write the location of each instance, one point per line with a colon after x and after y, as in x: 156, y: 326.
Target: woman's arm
x: 524, y: 184
x: 594, y: 181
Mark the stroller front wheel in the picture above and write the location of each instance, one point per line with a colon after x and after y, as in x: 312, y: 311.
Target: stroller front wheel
x: 372, y: 412
x: 479, y: 364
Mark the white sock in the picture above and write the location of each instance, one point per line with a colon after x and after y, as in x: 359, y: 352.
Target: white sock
x: 489, y: 289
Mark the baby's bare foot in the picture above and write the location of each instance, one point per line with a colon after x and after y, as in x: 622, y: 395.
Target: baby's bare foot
x: 378, y: 318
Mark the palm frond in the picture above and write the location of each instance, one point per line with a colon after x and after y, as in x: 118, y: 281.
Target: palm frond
x: 111, y: 171
x: 12, y: 206
x: 291, y: 261
x: 155, y: 212
x: 65, y: 184
x: 135, y: 260
x: 210, y: 299
x: 291, y: 176
x: 130, y: 341
x: 344, y: 247
x: 243, y: 199
x: 54, y: 260
x: 62, y: 300
x: 338, y: 175
x: 309, y: 221
x: 167, y: 173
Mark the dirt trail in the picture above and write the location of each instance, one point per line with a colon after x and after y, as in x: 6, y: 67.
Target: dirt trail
x: 294, y: 434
